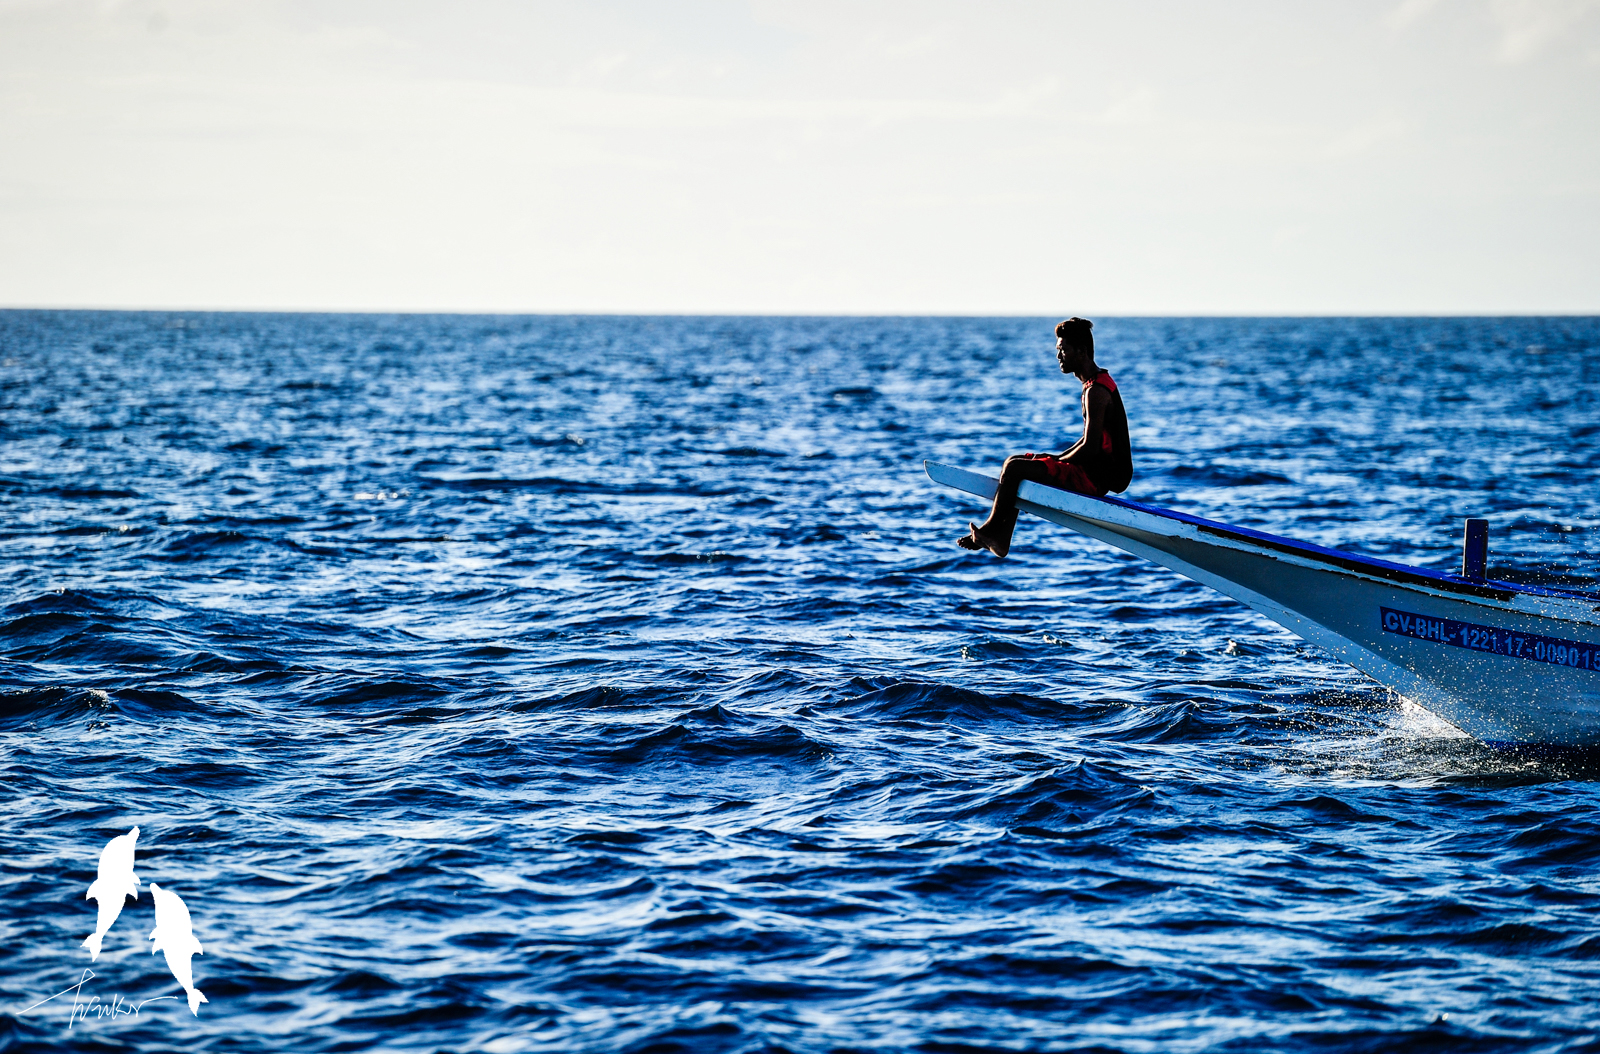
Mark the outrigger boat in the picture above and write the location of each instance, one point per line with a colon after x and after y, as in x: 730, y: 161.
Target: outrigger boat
x: 1508, y: 664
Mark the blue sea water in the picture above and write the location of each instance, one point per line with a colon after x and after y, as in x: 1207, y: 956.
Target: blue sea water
x: 604, y: 684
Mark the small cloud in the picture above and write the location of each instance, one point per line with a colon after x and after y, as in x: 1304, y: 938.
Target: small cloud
x: 1290, y: 232
x: 1136, y: 108
x: 1028, y: 99
x: 1364, y: 137
x: 921, y: 44
x: 1527, y: 26
x: 605, y: 65
x: 1408, y: 13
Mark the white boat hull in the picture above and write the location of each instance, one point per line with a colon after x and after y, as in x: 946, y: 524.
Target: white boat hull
x: 1507, y: 664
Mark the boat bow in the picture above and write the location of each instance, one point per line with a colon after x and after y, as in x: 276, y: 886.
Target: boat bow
x: 1505, y: 663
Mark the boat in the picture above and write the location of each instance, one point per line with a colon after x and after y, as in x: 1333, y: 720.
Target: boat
x: 1513, y: 665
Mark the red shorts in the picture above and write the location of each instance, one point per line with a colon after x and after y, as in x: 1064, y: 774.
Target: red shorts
x: 1064, y: 475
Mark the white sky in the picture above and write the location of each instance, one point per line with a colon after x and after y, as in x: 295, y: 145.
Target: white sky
x: 1284, y: 157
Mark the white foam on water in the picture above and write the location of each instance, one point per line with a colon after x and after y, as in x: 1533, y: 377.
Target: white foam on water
x: 1413, y: 719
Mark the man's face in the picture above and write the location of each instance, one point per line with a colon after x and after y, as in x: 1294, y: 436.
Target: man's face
x: 1068, y: 355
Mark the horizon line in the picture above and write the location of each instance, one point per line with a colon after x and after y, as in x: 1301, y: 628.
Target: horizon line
x: 509, y: 313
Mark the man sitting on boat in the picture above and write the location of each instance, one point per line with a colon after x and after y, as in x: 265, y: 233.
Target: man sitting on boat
x: 1101, y: 461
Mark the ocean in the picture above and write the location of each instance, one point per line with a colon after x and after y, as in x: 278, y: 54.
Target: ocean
x: 504, y: 684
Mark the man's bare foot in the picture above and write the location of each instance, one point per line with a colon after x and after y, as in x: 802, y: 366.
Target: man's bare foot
x: 976, y: 539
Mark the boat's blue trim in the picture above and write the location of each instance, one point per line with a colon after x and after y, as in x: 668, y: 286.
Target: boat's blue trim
x: 1352, y: 561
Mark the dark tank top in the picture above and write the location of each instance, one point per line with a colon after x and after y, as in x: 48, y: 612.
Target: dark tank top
x: 1110, y: 463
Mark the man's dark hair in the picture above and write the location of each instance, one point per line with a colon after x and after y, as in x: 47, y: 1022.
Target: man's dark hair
x: 1075, y: 331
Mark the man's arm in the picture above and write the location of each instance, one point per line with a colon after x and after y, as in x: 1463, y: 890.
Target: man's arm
x: 1094, y: 420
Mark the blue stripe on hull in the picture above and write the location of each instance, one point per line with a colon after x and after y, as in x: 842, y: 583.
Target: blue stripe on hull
x: 1351, y: 561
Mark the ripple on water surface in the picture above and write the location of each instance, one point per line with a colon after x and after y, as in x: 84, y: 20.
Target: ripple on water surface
x: 562, y: 684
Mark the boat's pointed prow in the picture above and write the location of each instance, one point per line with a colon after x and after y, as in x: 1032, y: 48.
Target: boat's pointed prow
x: 961, y: 479
x: 1509, y: 664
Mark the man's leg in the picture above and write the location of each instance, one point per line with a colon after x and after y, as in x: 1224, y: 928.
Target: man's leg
x: 994, y: 534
